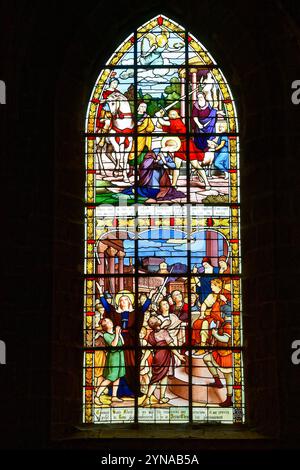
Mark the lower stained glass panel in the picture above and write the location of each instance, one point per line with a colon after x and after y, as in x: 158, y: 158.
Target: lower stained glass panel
x: 168, y: 360
x: 166, y: 386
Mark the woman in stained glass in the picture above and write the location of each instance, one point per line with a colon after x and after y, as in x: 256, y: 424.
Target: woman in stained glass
x: 130, y: 320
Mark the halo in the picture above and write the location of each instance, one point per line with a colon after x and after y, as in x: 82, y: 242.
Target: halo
x: 124, y: 293
x: 173, y: 141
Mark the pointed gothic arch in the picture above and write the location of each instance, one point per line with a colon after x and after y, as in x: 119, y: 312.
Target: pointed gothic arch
x: 162, y: 162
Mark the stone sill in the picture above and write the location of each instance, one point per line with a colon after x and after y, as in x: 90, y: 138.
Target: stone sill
x: 175, y: 431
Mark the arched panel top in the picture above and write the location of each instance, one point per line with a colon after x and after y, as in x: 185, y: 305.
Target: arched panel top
x: 175, y: 47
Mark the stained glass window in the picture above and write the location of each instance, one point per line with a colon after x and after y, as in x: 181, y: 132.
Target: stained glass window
x: 162, y: 303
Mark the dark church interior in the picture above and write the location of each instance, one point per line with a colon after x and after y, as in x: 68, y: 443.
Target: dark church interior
x: 50, y: 56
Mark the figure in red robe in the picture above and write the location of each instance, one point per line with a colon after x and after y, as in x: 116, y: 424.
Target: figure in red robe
x: 216, y: 302
x: 173, y: 125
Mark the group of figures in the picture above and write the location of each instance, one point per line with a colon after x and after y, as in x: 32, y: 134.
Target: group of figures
x: 141, y: 346
x: 159, y: 159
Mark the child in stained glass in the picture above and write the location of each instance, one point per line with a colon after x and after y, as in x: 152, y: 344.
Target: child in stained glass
x: 220, y: 147
x: 115, y: 362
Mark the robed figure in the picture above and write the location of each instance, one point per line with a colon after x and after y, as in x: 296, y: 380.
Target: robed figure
x: 131, y: 320
x: 204, y: 119
x: 154, y: 180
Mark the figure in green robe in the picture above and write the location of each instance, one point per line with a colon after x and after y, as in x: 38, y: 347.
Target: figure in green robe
x: 114, y: 367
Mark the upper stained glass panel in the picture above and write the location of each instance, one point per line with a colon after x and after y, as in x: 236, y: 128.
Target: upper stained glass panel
x: 162, y: 114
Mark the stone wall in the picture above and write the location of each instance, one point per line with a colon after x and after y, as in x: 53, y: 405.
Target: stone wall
x: 50, y: 60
